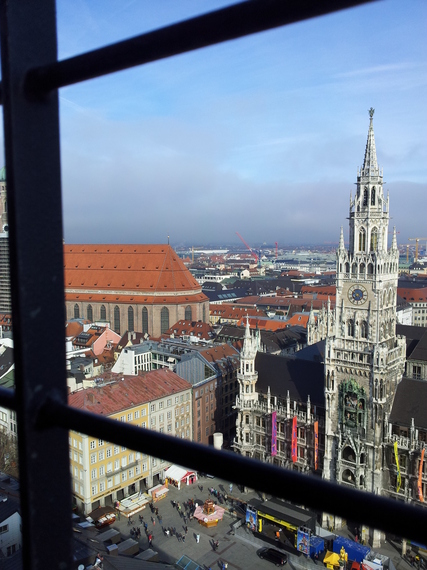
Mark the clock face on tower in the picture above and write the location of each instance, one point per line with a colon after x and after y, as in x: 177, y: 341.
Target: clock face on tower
x: 357, y: 294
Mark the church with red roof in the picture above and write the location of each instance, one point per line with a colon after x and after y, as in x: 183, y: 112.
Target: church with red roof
x: 141, y: 288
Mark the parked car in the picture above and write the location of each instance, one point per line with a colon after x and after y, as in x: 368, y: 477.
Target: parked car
x: 272, y: 555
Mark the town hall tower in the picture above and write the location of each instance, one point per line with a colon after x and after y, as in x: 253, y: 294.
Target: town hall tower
x: 364, y: 359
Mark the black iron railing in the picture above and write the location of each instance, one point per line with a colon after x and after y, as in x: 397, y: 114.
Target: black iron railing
x: 31, y: 76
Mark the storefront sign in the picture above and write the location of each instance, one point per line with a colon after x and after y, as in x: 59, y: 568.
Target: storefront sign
x: 420, y: 478
x: 294, y: 439
x: 399, y: 476
x: 274, y: 433
x: 316, y: 445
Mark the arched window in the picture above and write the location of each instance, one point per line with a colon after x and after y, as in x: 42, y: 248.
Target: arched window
x: 89, y: 313
x: 374, y: 239
x: 373, y: 196
x: 364, y: 329
x: 362, y: 269
x: 145, y: 320
x: 103, y: 313
x: 347, y: 268
x: 116, y: 319
x: 365, y: 196
x: 354, y: 269
x: 350, y: 327
x: 370, y: 269
x: 362, y: 240
x: 204, y: 313
x: 76, y: 311
x: 188, y: 315
x: 131, y: 325
x: 164, y: 320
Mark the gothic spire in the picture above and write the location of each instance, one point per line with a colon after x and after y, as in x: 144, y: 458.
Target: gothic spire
x: 394, y: 242
x: 341, y: 246
x: 370, y: 165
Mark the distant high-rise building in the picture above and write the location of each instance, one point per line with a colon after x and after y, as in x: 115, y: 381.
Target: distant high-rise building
x: 5, y: 296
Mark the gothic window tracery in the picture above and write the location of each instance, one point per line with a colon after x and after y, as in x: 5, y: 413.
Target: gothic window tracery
x: 103, y: 313
x: 117, y: 319
x: 364, y: 329
x: 131, y: 325
x: 350, y: 327
x: 188, y: 315
x: 374, y: 239
x: 362, y: 240
x: 89, y: 313
x: 164, y: 320
x: 145, y: 320
x: 365, y: 196
x: 373, y: 196
x: 370, y: 269
x: 76, y: 311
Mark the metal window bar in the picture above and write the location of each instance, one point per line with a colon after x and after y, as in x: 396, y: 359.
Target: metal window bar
x: 31, y: 76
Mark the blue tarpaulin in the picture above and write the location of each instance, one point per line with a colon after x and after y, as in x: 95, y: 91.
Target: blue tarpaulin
x: 317, y: 545
x: 355, y: 550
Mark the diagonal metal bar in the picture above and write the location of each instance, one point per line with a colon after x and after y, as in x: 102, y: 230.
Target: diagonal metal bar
x: 222, y: 25
x: 318, y: 494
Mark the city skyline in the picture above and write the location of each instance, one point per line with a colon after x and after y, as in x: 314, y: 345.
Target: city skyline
x: 262, y: 135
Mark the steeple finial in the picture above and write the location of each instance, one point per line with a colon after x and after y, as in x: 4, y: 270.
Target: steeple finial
x: 370, y: 165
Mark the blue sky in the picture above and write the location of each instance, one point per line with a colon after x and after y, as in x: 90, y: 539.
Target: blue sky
x: 262, y: 135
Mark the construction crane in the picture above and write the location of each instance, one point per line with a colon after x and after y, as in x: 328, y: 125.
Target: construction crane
x: 249, y: 247
x: 417, y: 241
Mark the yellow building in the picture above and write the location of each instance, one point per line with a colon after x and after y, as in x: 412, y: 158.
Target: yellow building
x: 102, y: 472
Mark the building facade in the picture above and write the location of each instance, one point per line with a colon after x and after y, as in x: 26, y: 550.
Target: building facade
x: 280, y: 409
x: 103, y: 472
x: 142, y: 288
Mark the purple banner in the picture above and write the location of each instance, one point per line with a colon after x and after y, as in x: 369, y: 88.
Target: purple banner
x: 274, y: 433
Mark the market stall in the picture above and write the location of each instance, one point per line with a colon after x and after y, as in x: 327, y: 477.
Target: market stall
x: 209, y: 514
x: 176, y: 476
x: 158, y: 492
x: 102, y: 516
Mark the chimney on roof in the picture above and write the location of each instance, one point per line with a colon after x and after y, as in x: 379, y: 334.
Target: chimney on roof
x: 91, y: 397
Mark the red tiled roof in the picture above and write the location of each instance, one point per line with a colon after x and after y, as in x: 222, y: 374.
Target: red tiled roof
x: 147, y: 269
x: 195, y: 328
x: 263, y: 324
x: 218, y: 352
x: 73, y: 328
x: 129, y: 392
x: 413, y: 295
x: 227, y: 311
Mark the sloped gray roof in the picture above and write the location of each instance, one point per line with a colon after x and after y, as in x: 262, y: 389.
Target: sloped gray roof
x: 302, y: 378
x: 410, y: 402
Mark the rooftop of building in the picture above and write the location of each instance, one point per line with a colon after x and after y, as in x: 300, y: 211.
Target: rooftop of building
x: 301, y: 378
x: 410, y: 402
x: 120, y: 392
x: 141, y: 269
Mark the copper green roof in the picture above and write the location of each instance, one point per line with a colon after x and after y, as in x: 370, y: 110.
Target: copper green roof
x: 3, y: 174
